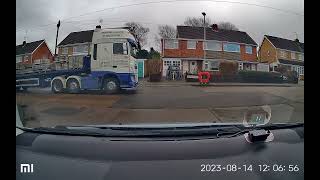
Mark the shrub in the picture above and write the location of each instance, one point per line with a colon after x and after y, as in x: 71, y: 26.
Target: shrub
x: 228, y: 68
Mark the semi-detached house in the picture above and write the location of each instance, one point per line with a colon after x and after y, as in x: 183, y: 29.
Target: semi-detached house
x: 189, y: 52
x: 29, y: 53
x: 280, y: 52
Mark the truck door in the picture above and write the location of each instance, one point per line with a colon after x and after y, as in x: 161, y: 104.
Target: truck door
x: 102, y: 57
x: 121, y: 57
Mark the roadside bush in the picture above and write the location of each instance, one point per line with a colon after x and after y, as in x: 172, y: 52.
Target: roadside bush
x: 228, y: 68
x: 260, y: 77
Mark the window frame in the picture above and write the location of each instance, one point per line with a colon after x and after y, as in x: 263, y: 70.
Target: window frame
x: 251, y: 49
x: 210, y: 65
x: 20, y: 59
x: 193, y: 41
x: 65, y: 49
x: 84, y: 48
x: 226, y: 44
x: 175, y: 44
x: 293, y: 53
x: 240, y: 66
x: 124, y: 49
x: 217, y: 42
x: 282, y: 54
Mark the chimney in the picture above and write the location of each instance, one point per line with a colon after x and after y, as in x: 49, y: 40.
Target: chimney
x: 214, y: 27
x: 24, y: 43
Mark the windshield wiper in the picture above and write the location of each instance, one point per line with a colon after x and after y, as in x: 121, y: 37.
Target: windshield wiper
x: 105, y: 131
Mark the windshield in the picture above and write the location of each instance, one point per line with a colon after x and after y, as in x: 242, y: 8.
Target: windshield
x: 199, y: 63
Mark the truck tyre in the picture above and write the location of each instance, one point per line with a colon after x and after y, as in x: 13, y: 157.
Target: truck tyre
x: 73, y: 86
x: 57, y: 86
x: 111, y: 85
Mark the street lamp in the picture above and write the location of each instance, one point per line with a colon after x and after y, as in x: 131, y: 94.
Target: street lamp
x: 204, y: 36
x: 55, y: 48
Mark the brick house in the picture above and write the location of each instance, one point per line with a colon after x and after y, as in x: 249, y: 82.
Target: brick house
x: 35, y: 52
x: 282, y: 52
x: 75, y: 44
x: 189, y: 52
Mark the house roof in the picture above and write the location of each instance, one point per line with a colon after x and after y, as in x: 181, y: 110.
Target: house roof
x: 77, y: 37
x: 28, y: 47
x: 190, y: 32
x: 284, y: 61
x: 286, y: 44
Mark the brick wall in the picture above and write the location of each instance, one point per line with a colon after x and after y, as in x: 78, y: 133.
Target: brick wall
x: 267, y: 53
x: 248, y: 57
x: 183, y: 52
x: 42, y: 52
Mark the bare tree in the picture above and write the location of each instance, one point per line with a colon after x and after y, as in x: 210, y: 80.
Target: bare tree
x: 166, y: 32
x: 227, y: 26
x: 139, y: 32
x: 196, y: 21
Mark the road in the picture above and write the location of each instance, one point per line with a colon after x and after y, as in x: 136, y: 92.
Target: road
x: 164, y: 104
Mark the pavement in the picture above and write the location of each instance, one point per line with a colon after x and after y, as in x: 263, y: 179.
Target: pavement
x: 176, y: 83
x: 161, y: 104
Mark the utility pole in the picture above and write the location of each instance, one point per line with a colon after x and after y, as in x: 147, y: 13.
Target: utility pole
x: 55, y: 48
x: 204, y: 37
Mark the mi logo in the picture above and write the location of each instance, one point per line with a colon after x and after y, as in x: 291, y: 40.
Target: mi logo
x: 26, y: 168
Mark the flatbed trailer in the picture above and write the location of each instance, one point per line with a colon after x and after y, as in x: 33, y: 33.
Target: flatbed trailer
x: 105, y: 70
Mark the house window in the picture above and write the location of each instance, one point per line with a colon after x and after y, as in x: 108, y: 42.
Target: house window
x: 171, y: 44
x: 301, y: 57
x: 120, y: 48
x: 214, y: 65
x: 240, y: 66
x: 176, y: 63
x: 191, y: 44
x: 249, y: 49
x: 169, y: 63
x: 64, y: 50
x: 231, y: 47
x: 18, y: 59
x: 282, y: 54
x: 213, y: 46
x: 206, y: 65
x: 293, y: 55
x: 81, y: 49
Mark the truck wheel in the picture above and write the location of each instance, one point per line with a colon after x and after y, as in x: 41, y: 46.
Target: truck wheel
x: 111, y: 85
x: 73, y: 86
x: 57, y: 86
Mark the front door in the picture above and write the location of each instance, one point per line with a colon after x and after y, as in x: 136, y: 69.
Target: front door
x: 193, y: 67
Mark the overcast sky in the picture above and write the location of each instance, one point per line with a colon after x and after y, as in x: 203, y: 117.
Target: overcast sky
x: 37, y: 19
